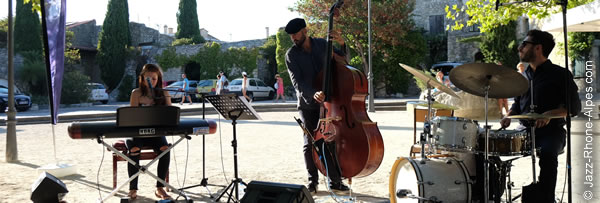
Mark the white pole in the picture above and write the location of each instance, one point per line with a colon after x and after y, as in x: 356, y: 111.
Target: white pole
x: 11, y: 132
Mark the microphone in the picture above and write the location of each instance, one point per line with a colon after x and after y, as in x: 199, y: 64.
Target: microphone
x: 151, y: 88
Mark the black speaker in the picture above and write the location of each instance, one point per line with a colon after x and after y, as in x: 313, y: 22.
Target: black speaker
x: 48, y: 188
x: 266, y: 192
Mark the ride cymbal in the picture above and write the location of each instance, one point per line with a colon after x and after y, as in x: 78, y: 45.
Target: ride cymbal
x: 503, y: 82
x: 431, y: 81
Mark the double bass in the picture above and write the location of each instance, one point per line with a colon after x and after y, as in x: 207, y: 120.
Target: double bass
x: 344, y: 122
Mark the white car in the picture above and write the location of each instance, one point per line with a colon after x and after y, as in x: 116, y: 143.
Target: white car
x: 97, y: 92
x: 256, y: 88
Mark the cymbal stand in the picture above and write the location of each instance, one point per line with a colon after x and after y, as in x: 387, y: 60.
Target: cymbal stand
x: 486, y: 163
x: 426, y: 134
x: 532, y: 124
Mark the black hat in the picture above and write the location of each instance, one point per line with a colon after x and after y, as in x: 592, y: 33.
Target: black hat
x: 295, y: 25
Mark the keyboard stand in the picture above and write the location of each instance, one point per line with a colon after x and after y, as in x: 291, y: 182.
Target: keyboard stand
x: 142, y: 169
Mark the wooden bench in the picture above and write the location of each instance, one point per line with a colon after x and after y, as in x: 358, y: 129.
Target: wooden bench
x: 146, y: 153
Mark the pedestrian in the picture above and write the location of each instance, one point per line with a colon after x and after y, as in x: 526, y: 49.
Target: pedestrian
x: 185, y: 87
x: 245, y: 86
x: 279, y: 88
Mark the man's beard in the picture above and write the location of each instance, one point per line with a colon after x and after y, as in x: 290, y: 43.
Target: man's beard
x: 527, y: 56
x: 301, y: 41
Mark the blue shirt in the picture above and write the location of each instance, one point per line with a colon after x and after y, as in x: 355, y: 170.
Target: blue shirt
x: 186, y: 84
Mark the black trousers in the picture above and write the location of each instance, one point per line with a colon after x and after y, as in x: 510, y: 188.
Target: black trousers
x: 310, y: 118
x: 550, y: 146
x: 163, y: 163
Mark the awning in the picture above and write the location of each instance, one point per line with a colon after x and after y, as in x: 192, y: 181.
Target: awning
x: 584, y: 18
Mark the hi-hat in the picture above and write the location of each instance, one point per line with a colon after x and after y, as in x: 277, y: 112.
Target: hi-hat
x: 437, y: 105
x: 429, y: 80
x: 474, y: 77
x: 533, y: 116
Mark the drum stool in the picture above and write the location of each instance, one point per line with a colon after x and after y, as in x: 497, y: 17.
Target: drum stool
x: 146, y: 153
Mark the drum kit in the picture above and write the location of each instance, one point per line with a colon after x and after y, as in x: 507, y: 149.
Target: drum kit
x: 447, y: 171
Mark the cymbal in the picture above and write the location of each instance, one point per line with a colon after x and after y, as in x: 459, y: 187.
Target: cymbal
x: 437, y: 105
x: 431, y: 81
x: 533, y: 116
x: 504, y: 82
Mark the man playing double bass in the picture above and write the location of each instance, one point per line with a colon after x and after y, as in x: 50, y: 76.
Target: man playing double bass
x: 304, y: 60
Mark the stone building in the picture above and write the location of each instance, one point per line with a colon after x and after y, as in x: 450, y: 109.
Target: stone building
x: 431, y: 16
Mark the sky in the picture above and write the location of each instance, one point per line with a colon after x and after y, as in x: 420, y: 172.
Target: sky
x: 227, y: 20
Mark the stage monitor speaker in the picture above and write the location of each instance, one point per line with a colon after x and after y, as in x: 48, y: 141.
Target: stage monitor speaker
x: 48, y: 188
x: 266, y: 192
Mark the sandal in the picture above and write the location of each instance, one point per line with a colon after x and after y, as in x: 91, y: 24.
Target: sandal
x: 163, y: 196
x: 136, y: 153
x: 132, y: 194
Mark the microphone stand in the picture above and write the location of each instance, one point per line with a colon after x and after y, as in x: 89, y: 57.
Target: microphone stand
x: 204, y: 181
x: 563, y: 4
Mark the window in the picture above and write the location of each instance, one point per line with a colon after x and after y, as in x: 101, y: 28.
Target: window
x: 252, y: 83
x: 436, y: 24
x: 261, y: 83
x: 578, y: 68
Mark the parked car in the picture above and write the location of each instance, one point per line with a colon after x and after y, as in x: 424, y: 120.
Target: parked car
x: 97, y: 93
x: 177, y: 94
x: 256, y: 88
x: 207, y: 86
x: 22, y: 101
x: 444, y: 66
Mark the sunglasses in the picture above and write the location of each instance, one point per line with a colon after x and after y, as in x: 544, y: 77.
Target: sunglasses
x: 524, y: 43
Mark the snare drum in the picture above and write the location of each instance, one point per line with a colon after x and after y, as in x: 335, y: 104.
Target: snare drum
x: 455, y: 133
x: 503, y: 142
x: 444, y: 180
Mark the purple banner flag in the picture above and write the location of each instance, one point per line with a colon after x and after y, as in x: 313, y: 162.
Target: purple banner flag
x: 53, y: 22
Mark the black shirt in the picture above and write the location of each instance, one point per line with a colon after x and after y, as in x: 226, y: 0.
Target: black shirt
x: 548, y: 93
x: 304, y: 68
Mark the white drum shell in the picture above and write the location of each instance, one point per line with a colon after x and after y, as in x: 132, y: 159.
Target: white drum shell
x: 440, y: 179
x: 455, y: 133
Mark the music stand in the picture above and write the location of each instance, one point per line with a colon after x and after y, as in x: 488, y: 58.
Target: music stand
x: 233, y: 107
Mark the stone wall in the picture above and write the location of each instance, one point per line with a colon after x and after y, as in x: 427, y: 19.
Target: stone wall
x: 17, y: 63
x: 85, y: 34
x: 457, y: 51
x: 189, y: 50
x: 460, y: 51
x: 140, y: 34
x: 424, y: 9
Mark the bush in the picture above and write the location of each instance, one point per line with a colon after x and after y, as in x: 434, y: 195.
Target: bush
x: 182, y: 41
x: 74, y: 88
x: 125, y: 88
x: 32, y: 76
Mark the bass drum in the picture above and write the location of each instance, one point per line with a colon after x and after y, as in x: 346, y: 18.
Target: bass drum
x: 442, y: 179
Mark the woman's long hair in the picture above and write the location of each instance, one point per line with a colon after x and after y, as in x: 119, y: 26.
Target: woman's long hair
x: 158, y: 92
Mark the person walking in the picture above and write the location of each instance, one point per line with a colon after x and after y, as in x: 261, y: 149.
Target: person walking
x: 279, y: 88
x: 185, y: 88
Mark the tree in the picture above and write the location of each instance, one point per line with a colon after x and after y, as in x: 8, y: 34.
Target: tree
x: 500, y: 45
x: 390, y: 21
x: 580, y: 44
x: 112, y: 43
x: 187, y: 21
x: 483, y: 12
x: 268, y: 52
x: 284, y: 42
x: 28, y: 30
